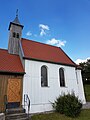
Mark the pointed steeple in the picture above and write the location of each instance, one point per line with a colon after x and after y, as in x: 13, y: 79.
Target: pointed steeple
x: 15, y: 34
x: 15, y: 21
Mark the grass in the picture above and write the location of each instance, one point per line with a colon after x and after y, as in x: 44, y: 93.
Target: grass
x: 85, y: 115
x: 87, y: 92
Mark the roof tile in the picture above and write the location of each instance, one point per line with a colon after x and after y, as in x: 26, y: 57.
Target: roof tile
x: 10, y: 63
x: 44, y: 52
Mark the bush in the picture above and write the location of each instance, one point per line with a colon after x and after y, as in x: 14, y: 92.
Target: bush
x: 68, y: 105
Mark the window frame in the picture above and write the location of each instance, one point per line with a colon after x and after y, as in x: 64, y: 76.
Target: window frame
x: 62, y: 77
x: 44, y: 82
x: 17, y: 35
x: 14, y: 34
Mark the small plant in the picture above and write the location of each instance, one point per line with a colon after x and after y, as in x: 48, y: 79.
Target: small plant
x: 68, y: 105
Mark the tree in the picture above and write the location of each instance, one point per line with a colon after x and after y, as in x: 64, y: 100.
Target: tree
x: 86, y: 70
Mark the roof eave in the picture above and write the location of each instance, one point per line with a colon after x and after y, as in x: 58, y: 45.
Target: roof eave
x: 14, y: 24
x: 34, y: 59
x: 12, y: 72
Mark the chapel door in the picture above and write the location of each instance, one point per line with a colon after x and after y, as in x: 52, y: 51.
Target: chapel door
x: 14, y: 93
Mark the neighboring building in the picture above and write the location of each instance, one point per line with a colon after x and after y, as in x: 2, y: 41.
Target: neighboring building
x: 11, y: 79
x: 41, y: 71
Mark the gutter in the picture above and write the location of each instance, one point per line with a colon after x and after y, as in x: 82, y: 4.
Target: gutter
x: 11, y: 72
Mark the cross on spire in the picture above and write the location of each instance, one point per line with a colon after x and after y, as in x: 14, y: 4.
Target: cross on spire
x: 17, y: 13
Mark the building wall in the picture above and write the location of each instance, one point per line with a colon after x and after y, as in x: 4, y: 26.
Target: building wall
x: 21, y: 54
x: 41, y: 97
x: 80, y: 87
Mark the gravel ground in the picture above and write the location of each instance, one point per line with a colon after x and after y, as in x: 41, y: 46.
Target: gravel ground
x: 86, y: 106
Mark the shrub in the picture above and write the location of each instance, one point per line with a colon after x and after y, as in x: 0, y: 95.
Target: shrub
x: 68, y: 105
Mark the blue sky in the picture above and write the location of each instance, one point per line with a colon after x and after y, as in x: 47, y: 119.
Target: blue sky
x: 64, y: 23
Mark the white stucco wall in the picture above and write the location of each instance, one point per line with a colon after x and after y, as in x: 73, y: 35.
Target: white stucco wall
x: 42, y: 96
x: 80, y: 86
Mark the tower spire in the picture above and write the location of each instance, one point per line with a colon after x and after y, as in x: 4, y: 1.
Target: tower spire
x: 14, y: 35
x: 16, y: 21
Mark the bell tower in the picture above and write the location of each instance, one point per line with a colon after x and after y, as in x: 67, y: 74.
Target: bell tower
x: 15, y: 33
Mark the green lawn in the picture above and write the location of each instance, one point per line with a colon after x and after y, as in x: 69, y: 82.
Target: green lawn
x: 85, y: 115
x: 87, y: 92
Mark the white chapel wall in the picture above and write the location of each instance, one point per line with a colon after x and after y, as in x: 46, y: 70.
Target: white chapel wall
x: 80, y: 87
x: 41, y: 97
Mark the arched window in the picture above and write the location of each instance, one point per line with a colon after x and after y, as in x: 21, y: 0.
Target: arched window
x: 44, y: 79
x: 14, y: 34
x: 62, y: 78
x: 17, y: 35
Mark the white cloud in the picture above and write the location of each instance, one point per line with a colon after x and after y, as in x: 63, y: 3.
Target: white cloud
x: 81, y: 60
x: 28, y: 33
x: 56, y: 42
x: 43, y: 29
x: 42, y: 32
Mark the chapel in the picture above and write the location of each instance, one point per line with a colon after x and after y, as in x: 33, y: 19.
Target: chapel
x: 37, y: 71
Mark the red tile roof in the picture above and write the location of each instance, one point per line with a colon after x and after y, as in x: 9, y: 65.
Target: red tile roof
x: 44, y: 52
x: 10, y: 63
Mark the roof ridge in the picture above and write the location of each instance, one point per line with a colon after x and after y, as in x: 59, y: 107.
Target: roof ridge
x: 40, y: 42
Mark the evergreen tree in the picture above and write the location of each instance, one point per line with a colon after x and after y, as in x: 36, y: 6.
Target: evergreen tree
x: 86, y: 70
